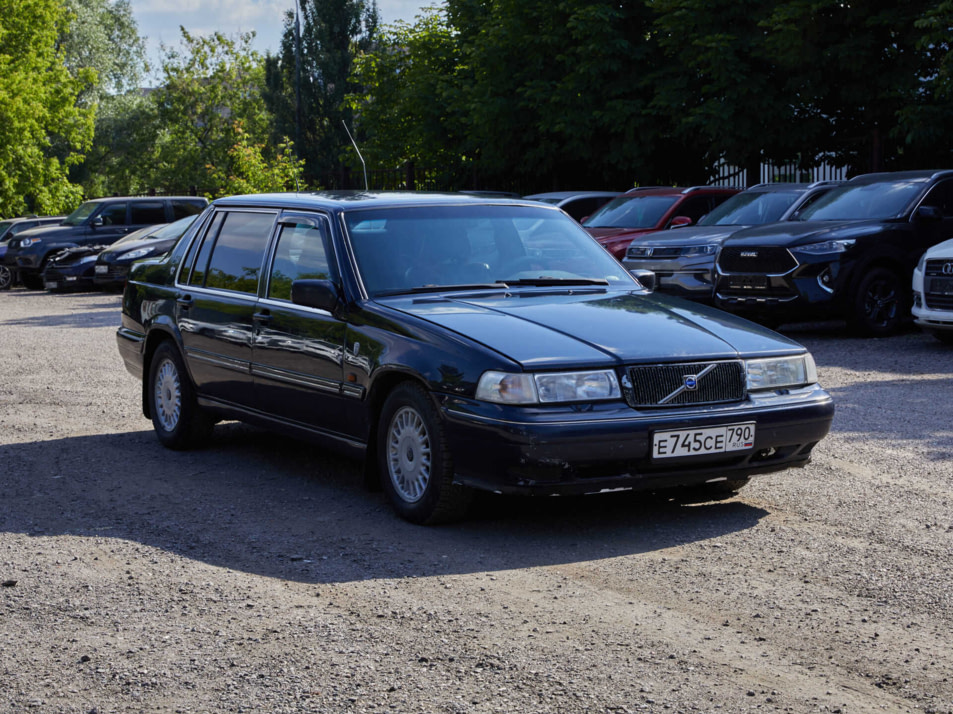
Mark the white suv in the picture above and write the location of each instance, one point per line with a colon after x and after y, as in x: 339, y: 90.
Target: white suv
x: 933, y: 292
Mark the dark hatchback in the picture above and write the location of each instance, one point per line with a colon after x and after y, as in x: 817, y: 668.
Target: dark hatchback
x: 849, y: 255
x: 458, y: 343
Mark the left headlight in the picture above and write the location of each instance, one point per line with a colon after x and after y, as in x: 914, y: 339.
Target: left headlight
x: 138, y: 253
x: 548, y: 387
x: 828, y: 246
x: 27, y: 242
x: 699, y: 250
x: 780, y: 372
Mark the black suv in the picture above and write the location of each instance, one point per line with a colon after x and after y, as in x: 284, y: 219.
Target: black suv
x: 102, y: 222
x: 851, y: 254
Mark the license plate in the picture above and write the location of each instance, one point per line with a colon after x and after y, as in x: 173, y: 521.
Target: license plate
x: 711, y: 440
x: 941, y: 286
x: 748, y: 282
x: 50, y: 285
x: 101, y: 269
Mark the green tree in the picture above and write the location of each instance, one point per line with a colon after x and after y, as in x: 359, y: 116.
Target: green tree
x: 102, y: 35
x: 251, y: 172
x: 308, y: 98
x: 209, y: 102
x: 42, y: 131
x: 409, y: 109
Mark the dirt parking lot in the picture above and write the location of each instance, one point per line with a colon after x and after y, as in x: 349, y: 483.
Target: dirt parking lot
x: 257, y: 575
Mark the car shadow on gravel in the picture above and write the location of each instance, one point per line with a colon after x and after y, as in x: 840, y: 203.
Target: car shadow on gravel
x: 255, y: 502
x: 95, y: 313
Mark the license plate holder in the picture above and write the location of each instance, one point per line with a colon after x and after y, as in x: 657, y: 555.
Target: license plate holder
x: 940, y: 286
x: 703, y: 441
x: 748, y: 282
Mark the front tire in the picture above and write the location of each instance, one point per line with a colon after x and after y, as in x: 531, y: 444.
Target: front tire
x: 414, y: 461
x: 6, y: 278
x: 879, y: 304
x: 178, y: 420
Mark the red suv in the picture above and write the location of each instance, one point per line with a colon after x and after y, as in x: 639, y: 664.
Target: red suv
x: 651, y: 208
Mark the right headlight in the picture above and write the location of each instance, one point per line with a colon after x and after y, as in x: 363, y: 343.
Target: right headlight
x: 781, y: 372
x: 547, y: 387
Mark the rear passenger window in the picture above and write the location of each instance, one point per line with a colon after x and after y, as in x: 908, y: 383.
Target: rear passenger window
x: 147, y: 212
x: 181, y: 209
x: 237, y: 255
x: 301, y: 253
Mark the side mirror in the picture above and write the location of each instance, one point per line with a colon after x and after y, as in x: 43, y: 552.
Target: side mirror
x: 645, y: 277
x: 319, y: 294
x: 97, y: 222
x: 680, y: 222
x: 930, y: 213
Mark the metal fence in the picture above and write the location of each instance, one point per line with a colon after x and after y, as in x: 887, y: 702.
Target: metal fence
x: 727, y: 175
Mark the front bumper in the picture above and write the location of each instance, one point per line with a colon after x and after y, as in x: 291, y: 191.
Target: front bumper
x: 569, y: 451
x: 79, y: 277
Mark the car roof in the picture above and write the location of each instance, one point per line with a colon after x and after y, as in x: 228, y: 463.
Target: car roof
x: 781, y: 186
x: 677, y: 190
x: 571, y: 194
x: 145, y: 198
x: 350, y: 200
x: 925, y: 175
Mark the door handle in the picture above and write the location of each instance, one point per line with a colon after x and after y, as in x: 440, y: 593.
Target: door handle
x: 184, y: 301
x: 263, y: 316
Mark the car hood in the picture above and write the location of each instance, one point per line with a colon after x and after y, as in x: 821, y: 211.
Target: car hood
x: 940, y: 250
x: 51, y: 232
x: 541, y: 329
x: 700, y: 235
x: 117, y: 252
x: 794, y: 233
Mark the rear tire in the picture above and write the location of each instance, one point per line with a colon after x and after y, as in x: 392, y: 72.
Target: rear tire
x: 880, y: 303
x: 178, y: 420
x: 414, y: 460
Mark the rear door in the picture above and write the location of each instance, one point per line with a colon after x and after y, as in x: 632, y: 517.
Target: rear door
x: 298, y: 353
x: 215, y: 310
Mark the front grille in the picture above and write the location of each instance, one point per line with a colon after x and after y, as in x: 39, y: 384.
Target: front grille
x: 938, y: 284
x: 766, y: 261
x: 665, y: 385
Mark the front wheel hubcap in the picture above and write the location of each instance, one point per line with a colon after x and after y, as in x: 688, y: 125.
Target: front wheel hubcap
x: 408, y: 454
x: 168, y: 395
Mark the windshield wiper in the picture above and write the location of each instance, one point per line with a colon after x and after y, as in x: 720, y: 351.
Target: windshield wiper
x: 544, y: 282
x: 441, y: 288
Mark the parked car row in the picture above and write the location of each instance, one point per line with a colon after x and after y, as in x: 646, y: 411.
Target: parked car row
x: 100, y: 222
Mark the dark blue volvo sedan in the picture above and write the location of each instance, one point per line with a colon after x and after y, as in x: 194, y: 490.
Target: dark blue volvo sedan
x: 458, y: 343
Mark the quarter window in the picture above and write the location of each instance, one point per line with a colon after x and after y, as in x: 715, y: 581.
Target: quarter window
x: 301, y: 253
x: 236, y: 258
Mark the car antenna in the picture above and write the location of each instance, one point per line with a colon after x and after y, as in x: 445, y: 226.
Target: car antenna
x: 366, y: 185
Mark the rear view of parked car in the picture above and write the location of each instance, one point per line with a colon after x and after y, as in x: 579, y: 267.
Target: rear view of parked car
x: 98, y: 222
x: 933, y: 292
x: 684, y: 260
x: 458, y: 343
x: 849, y: 255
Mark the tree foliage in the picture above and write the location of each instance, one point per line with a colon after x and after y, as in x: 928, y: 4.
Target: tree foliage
x: 307, y: 82
x: 42, y: 130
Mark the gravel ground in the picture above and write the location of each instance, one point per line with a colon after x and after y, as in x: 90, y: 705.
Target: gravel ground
x: 256, y: 575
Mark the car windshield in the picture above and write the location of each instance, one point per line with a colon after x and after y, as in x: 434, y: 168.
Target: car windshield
x: 884, y: 199
x: 418, y: 248
x: 161, y: 232
x: 80, y: 214
x: 752, y: 208
x: 631, y: 212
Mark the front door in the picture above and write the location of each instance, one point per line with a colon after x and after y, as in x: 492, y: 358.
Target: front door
x: 298, y: 354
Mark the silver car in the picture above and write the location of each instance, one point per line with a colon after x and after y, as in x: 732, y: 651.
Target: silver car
x: 683, y: 260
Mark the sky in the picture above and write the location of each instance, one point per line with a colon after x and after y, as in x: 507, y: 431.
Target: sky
x: 159, y: 20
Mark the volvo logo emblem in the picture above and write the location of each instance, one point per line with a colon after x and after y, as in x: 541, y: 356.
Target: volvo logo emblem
x: 690, y: 381
x: 749, y: 254
x: 947, y: 268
